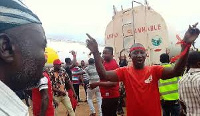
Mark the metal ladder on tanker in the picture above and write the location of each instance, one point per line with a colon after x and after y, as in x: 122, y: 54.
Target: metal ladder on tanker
x: 130, y: 24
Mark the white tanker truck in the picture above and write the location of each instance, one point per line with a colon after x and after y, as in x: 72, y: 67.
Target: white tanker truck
x: 143, y: 25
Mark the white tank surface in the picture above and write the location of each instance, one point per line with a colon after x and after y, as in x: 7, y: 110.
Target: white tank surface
x: 143, y: 25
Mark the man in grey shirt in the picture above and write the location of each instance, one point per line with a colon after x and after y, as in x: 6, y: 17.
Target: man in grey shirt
x: 93, y: 76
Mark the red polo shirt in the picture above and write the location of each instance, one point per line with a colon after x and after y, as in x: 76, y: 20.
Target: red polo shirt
x: 110, y: 92
x: 142, y: 92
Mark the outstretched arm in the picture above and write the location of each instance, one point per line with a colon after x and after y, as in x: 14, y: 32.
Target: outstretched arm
x: 190, y: 36
x: 103, y: 84
x: 78, y: 73
x: 103, y: 74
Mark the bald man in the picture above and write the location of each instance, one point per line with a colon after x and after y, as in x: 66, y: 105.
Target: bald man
x: 22, y: 45
x: 141, y: 82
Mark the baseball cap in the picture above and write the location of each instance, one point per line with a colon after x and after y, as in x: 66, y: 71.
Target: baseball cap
x: 57, y: 61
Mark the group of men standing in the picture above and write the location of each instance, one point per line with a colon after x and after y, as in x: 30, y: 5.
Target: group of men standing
x: 67, y: 77
x: 22, y: 47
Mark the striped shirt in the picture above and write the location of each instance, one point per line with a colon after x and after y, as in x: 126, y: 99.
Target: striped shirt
x: 85, y: 76
x: 189, y: 91
x: 10, y: 104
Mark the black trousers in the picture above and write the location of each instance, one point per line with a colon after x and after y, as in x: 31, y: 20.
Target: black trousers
x: 109, y: 106
x: 170, y: 108
x: 76, y: 89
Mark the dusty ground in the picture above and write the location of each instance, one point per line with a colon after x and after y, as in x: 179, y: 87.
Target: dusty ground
x: 81, y: 110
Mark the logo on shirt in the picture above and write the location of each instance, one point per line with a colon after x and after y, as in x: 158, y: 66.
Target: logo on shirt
x: 149, y: 79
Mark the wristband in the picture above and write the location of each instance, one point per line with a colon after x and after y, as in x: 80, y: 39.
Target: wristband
x: 187, y: 47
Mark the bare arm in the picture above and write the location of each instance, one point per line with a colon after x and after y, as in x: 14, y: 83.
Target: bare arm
x: 120, y: 54
x: 190, y: 36
x: 45, y: 101
x: 178, y: 69
x: 57, y: 90
x: 107, y: 84
x: 67, y: 80
x: 55, y: 102
x: 73, y: 89
x: 103, y: 84
x: 74, y: 60
x: 103, y: 74
x: 78, y: 73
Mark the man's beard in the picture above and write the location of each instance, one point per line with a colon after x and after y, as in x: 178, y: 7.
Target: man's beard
x: 27, y: 77
x: 29, y: 74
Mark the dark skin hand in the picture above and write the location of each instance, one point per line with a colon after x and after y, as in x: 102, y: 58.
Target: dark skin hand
x: 190, y: 36
x: 183, y: 109
x: 45, y: 101
x: 103, y: 84
x: 55, y: 102
x: 60, y: 92
x: 120, y: 54
x: 74, y: 59
x: 71, y: 86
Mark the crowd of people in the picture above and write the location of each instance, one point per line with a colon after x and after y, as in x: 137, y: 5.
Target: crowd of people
x: 67, y: 78
x: 169, y: 89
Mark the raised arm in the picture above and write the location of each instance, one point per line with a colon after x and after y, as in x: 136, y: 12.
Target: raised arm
x: 120, y: 55
x: 74, y: 60
x: 103, y: 74
x: 190, y: 36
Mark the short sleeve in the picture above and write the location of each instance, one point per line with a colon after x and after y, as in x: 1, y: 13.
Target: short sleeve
x: 120, y: 73
x: 157, y: 71
x: 43, y: 84
x: 86, y: 70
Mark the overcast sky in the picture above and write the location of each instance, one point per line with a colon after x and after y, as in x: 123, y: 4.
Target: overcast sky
x: 71, y: 19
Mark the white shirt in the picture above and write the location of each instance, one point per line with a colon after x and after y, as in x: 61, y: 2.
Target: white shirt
x: 189, y: 91
x: 43, y: 83
x: 10, y: 104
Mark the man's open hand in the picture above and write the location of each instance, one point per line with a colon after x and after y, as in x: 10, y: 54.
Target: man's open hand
x: 191, y: 34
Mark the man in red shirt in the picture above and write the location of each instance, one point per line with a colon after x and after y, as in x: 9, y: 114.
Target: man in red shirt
x: 42, y: 98
x: 141, y: 82
x: 109, y: 90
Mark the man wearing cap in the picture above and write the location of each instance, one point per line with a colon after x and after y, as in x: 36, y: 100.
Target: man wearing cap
x: 59, y: 78
x: 141, y: 82
x: 22, y: 44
